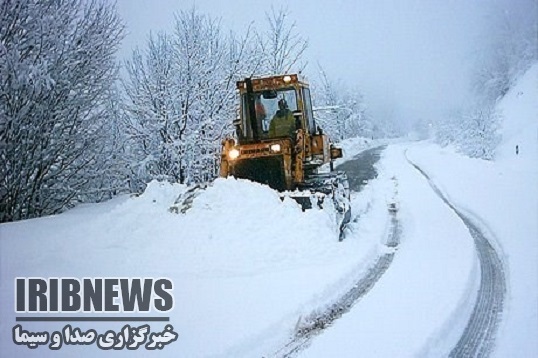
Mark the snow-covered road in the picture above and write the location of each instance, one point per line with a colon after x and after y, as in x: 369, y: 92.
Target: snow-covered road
x: 479, y: 335
x: 423, y: 301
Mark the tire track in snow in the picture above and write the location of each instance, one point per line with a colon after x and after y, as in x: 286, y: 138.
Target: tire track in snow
x: 478, y: 337
x: 360, y: 169
x: 315, y: 324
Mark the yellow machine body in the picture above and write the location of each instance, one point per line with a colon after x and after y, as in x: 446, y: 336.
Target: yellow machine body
x: 284, y: 162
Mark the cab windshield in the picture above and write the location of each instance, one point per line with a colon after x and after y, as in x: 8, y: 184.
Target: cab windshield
x: 266, y: 106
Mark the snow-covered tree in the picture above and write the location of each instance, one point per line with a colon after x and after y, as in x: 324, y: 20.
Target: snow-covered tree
x: 282, y: 45
x: 181, y: 98
x: 340, y: 111
x: 154, y: 120
x: 111, y: 172
x: 56, y: 66
x: 479, y: 132
x: 473, y: 131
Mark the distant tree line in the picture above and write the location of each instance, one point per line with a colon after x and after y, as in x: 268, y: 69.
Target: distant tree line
x: 342, y: 111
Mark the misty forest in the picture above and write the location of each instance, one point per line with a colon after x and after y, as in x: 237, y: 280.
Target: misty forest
x: 78, y: 124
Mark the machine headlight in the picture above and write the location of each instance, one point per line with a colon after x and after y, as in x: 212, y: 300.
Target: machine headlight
x: 287, y: 78
x: 275, y: 148
x: 233, y: 154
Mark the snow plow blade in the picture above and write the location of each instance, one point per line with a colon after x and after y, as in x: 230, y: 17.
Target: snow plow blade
x: 326, y: 189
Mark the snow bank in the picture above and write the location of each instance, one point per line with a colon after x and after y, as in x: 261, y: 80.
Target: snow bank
x: 246, y: 266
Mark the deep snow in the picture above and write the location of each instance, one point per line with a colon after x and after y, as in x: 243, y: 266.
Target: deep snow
x: 247, y: 267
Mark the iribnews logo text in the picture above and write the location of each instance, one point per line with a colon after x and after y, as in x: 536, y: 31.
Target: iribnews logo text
x: 93, y: 295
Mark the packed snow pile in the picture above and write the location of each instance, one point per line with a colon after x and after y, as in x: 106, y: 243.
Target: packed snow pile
x: 246, y: 266
x: 236, y: 227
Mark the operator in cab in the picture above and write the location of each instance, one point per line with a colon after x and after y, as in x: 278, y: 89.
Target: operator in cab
x: 283, y: 122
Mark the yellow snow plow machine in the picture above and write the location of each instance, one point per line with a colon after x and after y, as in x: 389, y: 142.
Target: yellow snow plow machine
x: 278, y: 143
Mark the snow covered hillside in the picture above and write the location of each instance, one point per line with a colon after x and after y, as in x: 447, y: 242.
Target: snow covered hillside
x: 250, y: 271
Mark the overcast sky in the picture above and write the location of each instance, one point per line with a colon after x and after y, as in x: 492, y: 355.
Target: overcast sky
x: 409, y: 57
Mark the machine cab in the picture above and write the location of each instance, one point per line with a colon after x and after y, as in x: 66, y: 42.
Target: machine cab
x: 272, y: 148
x: 259, y: 104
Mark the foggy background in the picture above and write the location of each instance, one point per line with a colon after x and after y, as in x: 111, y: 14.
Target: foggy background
x: 411, y: 59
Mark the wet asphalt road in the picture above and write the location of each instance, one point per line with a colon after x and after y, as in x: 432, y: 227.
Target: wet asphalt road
x: 361, y: 168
